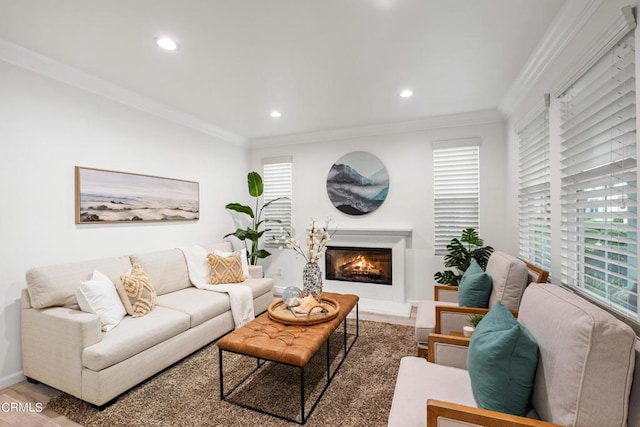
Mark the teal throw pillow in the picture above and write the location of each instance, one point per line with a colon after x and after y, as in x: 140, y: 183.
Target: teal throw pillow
x: 475, y: 286
x: 502, y: 362
x: 474, y: 268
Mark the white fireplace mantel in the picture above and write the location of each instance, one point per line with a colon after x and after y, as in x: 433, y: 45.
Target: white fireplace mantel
x: 399, y: 232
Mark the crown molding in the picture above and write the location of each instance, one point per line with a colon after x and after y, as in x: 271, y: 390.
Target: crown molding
x: 41, y: 64
x: 615, y: 30
x: 572, y: 17
x: 425, y: 124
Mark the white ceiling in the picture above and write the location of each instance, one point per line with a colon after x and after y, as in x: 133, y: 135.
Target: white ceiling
x: 326, y: 64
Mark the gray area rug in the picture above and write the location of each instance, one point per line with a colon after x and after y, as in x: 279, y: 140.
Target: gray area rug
x: 188, y: 393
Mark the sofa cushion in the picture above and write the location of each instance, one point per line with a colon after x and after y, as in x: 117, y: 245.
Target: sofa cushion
x: 99, y: 296
x: 426, y: 318
x: 259, y: 287
x: 201, y: 305
x: 474, y: 288
x: 587, y: 358
x: 134, y: 335
x: 502, y: 360
x: 419, y: 380
x: 167, y: 269
x: 510, y: 277
x: 136, y: 292
x: 56, y: 285
x: 218, y: 246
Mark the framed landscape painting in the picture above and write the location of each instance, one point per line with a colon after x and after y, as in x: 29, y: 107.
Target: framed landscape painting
x: 104, y: 196
x: 358, y: 183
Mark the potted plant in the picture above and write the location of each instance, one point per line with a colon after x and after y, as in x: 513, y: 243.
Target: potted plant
x: 474, y: 319
x: 461, y: 255
x: 254, y: 231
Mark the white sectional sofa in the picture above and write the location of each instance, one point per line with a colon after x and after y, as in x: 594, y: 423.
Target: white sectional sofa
x: 65, y: 348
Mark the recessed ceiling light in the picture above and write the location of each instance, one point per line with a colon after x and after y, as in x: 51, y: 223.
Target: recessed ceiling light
x: 166, y: 43
x: 406, y: 93
x: 275, y: 114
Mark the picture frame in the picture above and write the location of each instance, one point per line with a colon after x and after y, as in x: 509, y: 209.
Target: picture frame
x: 107, y: 197
x: 358, y: 183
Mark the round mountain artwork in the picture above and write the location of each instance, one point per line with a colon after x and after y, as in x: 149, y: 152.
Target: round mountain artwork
x: 358, y: 183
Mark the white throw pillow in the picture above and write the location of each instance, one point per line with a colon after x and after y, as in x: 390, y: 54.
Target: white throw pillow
x: 243, y: 258
x: 99, y: 296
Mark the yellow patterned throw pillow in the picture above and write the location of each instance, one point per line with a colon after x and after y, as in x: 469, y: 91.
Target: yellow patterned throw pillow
x: 136, y: 292
x: 225, y: 269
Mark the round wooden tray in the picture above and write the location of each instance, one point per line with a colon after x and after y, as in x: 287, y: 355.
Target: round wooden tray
x: 279, y: 312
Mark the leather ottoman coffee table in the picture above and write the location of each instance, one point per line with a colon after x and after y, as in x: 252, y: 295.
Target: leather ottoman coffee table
x: 267, y: 340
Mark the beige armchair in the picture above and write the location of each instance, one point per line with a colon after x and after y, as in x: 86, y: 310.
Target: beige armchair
x: 510, y: 276
x: 585, y: 373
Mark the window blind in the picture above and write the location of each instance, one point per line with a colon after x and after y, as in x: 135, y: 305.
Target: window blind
x: 599, y: 179
x: 534, y: 194
x: 456, y: 178
x: 277, y: 177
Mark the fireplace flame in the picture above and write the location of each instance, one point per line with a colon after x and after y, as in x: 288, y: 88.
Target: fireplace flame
x: 359, y: 265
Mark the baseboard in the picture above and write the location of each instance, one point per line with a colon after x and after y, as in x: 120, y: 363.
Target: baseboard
x: 385, y: 307
x: 12, y: 379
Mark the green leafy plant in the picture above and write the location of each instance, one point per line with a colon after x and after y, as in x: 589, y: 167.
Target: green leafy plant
x: 474, y: 319
x: 254, y: 231
x: 461, y: 252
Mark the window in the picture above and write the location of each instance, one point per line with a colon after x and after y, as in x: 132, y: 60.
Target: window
x: 277, y: 177
x: 456, y: 181
x: 534, y: 193
x: 599, y: 178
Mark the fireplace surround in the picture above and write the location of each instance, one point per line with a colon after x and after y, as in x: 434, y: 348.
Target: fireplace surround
x: 375, y: 297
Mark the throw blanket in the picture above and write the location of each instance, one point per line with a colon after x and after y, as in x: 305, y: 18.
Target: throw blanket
x: 240, y: 296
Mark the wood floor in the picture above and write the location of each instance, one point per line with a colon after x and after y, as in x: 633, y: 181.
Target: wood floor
x: 20, y: 404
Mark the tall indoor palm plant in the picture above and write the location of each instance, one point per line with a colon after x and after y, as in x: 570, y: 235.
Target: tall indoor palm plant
x: 254, y: 231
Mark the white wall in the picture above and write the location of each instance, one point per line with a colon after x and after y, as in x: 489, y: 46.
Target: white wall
x: 47, y: 128
x: 408, y: 158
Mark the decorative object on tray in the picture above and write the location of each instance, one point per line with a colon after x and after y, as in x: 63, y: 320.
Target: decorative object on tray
x: 308, y: 312
x: 291, y: 296
x: 252, y: 231
x: 312, y: 279
x: 317, y: 240
x: 358, y: 183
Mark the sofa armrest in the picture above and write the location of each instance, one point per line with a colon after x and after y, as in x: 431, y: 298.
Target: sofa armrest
x: 52, y: 343
x: 255, y: 271
x: 448, y: 350
x: 454, y: 319
x: 445, y: 293
x: 438, y: 411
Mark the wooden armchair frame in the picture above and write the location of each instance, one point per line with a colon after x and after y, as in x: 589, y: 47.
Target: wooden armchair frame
x: 482, y: 417
x: 469, y: 311
x: 540, y: 275
x: 469, y: 414
x: 445, y: 339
